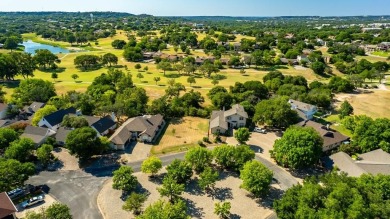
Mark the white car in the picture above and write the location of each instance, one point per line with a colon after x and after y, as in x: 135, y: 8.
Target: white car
x: 260, y: 130
x: 33, y: 201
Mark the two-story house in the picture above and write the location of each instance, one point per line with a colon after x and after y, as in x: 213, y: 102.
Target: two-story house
x: 221, y: 121
x: 305, y: 111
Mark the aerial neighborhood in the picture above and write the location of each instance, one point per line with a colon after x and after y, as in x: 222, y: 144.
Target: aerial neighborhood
x: 114, y: 115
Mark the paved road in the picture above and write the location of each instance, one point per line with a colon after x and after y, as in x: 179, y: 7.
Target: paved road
x: 77, y: 189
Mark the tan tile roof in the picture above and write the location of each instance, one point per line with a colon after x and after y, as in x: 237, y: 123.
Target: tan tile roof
x: 6, y: 205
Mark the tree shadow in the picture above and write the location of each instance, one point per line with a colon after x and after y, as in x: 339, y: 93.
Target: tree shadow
x: 227, y: 173
x: 192, y: 188
x: 234, y: 216
x: 157, y: 179
x: 268, y: 201
x: 192, y: 210
x: 172, y: 76
x: 176, y: 121
x: 197, y: 87
x: 307, y: 172
x: 50, y: 70
x: 10, y: 84
x: 222, y: 193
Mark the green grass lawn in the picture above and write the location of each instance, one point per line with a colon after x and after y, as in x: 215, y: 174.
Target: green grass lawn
x: 382, y: 53
x: 336, y: 125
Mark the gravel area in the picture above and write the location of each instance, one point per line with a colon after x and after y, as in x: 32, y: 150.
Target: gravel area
x: 200, y: 205
x: 68, y: 161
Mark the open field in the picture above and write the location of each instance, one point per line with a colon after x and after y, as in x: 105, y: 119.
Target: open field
x: 200, y: 205
x: 374, y: 104
x: 181, y: 133
x: 381, y: 53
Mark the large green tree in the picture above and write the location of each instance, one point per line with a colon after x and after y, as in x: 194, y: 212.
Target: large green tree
x: 7, y: 136
x: 298, y: 148
x: 165, y: 210
x: 46, y: 59
x: 199, y: 158
x: 124, y: 179
x: 46, y: 110
x: 346, y: 109
x: 44, y: 153
x: 256, y: 178
x: 242, y: 135
x: 275, y: 112
x: 208, y: 178
x: 84, y: 143
x: 171, y: 189
x: 30, y: 90
x: 13, y: 174
x: 180, y: 170
x: 151, y: 165
x: 134, y: 203
x: 20, y: 149
x: 231, y: 157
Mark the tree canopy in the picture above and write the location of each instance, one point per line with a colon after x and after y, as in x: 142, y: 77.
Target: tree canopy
x: 84, y: 143
x: 30, y: 90
x: 256, y: 178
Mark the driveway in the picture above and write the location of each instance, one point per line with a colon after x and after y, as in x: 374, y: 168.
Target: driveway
x: 77, y: 189
x: 136, y: 151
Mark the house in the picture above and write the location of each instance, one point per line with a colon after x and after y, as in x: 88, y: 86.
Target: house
x: 33, y: 108
x: 7, y: 207
x: 304, y: 110
x: 142, y: 128
x: 374, y: 162
x: 61, y: 135
x: 201, y: 60
x: 370, y: 48
x: 237, y: 46
x: 3, y: 110
x: 332, y: 139
x: 37, y: 134
x: 54, y: 120
x: 384, y: 46
x: 303, y: 58
x: 224, y: 61
x: 221, y: 121
x: 101, y: 125
x: 289, y: 61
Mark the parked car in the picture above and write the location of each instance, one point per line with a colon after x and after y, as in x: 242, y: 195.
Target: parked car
x: 260, y: 130
x: 33, y: 201
x: 15, y: 193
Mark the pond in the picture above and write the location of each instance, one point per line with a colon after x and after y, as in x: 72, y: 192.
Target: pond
x: 30, y: 47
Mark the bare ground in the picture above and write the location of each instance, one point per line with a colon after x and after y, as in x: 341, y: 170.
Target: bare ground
x: 200, y: 205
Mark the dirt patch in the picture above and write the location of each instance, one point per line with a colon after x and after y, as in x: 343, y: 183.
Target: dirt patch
x: 373, y: 104
x: 182, y: 132
x: 68, y: 162
x: 200, y: 205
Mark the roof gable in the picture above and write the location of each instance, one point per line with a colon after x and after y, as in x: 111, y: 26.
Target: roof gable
x: 6, y: 205
x: 57, y: 117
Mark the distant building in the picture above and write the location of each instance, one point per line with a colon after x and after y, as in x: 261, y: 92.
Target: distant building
x: 332, y: 139
x: 374, y: 162
x: 221, y: 121
x: 1, y: 45
x: 384, y: 46
x: 141, y: 128
x: 303, y: 58
x: 33, y: 108
x: 305, y: 111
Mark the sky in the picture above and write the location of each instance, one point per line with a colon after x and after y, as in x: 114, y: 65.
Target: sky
x: 209, y: 7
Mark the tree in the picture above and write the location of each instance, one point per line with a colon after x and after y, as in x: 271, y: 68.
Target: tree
x: 318, y: 67
x: 222, y: 100
x: 151, y: 165
x: 164, y: 65
x: 75, y: 76
x: 118, y: 44
x: 134, y: 203
x: 275, y: 112
x: 44, y: 153
x: 338, y: 84
x: 123, y: 179
x: 109, y: 59
x: 191, y: 80
x: 208, y: 68
x: 156, y: 79
x: 58, y: 211
x: 26, y: 64
x: 11, y: 43
x: 20, y: 150
x: 74, y: 122
x: 256, y: 178
x: 46, y: 110
x: 215, y: 82
x: 137, y: 66
x: 133, y: 54
x: 7, y: 136
x: 54, y: 76
x: 46, y: 59
x: 242, y: 135
x: 171, y: 189
x: 299, y: 147
x: 88, y: 62
x: 208, y: 178
x: 180, y: 171
x: 346, y: 109
x: 140, y: 75
x: 163, y: 210
x: 222, y: 210
x: 84, y: 143
x: 13, y: 173
x: 146, y: 68
x: 30, y: 90
x: 199, y: 158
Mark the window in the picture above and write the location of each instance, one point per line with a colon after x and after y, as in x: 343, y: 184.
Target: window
x: 228, y: 118
x: 241, y: 118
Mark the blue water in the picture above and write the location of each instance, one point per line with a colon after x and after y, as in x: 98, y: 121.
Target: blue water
x: 30, y: 47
